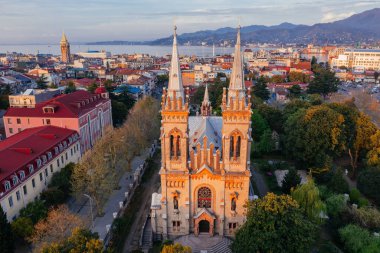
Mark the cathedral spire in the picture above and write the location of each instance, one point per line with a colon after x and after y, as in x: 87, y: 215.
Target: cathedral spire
x: 175, y: 77
x: 237, y: 76
x: 206, y: 104
x: 64, y: 38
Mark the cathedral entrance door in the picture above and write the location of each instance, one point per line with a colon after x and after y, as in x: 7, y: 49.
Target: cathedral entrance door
x: 204, y: 226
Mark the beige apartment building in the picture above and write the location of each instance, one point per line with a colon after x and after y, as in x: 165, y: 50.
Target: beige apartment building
x: 358, y: 59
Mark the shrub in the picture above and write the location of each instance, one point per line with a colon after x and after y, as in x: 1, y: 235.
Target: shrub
x: 324, y: 192
x: 291, y: 180
x: 335, y: 204
x: 368, y: 183
x: 357, y: 239
x: 337, y: 183
x: 363, y: 202
x: 366, y: 217
x: 354, y: 196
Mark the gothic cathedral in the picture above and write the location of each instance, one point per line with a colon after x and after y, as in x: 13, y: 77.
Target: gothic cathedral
x: 65, y: 49
x: 205, y: 167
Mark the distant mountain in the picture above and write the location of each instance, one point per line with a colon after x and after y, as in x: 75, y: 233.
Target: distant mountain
x: 362, y: 27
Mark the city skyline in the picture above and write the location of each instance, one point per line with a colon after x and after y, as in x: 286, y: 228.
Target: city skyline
x: 43, y: 21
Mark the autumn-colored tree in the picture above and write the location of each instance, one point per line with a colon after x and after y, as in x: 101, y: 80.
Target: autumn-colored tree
x: 58, y: 225
x: 277, y: 79
x: 295, y: 76
x: 80, y: 241
x: 373, y: 155
x: 364, y: 130
x: 176, y: 248
x: 274, y: 224
x: 308, y: 197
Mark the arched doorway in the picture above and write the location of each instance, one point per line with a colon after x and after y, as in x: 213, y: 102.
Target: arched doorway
x: 204, y: 226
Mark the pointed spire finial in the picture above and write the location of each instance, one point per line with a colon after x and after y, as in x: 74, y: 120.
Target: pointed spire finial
x: 206, y: 98
x: 175, y: 76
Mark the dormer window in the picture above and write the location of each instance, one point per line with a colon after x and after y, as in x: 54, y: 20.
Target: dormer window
x: 70, y: 140
x: 31, y: 168
x: 60, y: 147
x: 22, y: 175
x: 65, y: 144
x: 39, y: 163
x: 49, y: 155
x: 56, y: 150
x: 44, y: 159
x: 7, y: 185
x: 15, y: 180
x: 49, y: 109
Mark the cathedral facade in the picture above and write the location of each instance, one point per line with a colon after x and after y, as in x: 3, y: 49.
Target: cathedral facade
x: 65, y: 49
x: 205, y: 166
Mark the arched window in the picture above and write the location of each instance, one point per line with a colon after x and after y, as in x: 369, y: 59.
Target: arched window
x: 175, y: 203
x: 175, y: 146
x: 204, y: 197
x: 233, y: 204
x: 235, y: 145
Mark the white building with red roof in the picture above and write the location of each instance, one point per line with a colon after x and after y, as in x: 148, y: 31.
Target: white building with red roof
x: 29, y: 159
x: 88, y: 114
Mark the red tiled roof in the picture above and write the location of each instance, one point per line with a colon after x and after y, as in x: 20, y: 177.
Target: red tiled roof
x: 70, y: 105
x: 24, y: 148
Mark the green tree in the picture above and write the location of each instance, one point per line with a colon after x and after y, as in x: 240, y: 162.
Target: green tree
x: 119, y: 112
x: 357, y: 239
x: 291, y: 180
x: 295, y: 91
x: 337, y: 183
x: 6, y: 235
x: 314, y: 61
x: 294, y: 105
x: 35, y: 210
x: 260, y: 89
x: 324, y: 83
x: 335, y: 204
x: 273, y: 116
x: 307, y: 196
x: 92, y: 87
x: 368, y: 183
x: 42, y: 82
x: 53, y: 196
x: 70, y: 88
x: 274, y: 224
x: 261, y: 125
x: 266, y: 143
x: 22, y: 227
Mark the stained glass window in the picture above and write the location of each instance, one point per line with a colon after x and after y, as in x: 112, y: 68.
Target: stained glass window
x: 204, y: 197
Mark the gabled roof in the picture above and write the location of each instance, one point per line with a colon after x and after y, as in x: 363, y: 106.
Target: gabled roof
x: 200, y: 126
x: 206, y: 212
x: 70, y: 105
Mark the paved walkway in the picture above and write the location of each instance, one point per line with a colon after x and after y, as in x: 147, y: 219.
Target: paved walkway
x: 205, y: 243
x: 351, y: 183
x: 112, y: 205
x: 260, y: 182
x: 150, y: 186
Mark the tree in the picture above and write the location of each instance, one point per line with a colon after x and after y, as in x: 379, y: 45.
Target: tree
x: 368, y: 183
x: 176, y: 248
x: 277, y: 79
x: 294, y: 91
x: 62, y: 179
x: 22, y: 227
x: 357, y: 239
x: 313, y: 135
x: 366, y: 217
x: 53, y: 196
x: 373, y: 155
x: 376, y: 75
x: 58, y: 226
x: 260, y: 89
x: 70, y: 88
x: 364, y: 130
x: 80, y: 241
x: 337, y: 183
x: 273, y: 116
x: 314, y: 61
x: 261, y: 125
x: 35, y: 210
x: 266, y: 143
x: 6, y: 236
x: 324, y: 83
x: 92, y: 87
x: 291, y: 180
x: 42, y: 82
x: 119, y: 112
x: 335, y: 204
x: 307, y: 196
x: 274, y: 224
x: 295, y: 76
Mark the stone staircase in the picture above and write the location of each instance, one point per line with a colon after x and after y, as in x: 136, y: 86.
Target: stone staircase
x: 147, y: 236
x: 205, y: 243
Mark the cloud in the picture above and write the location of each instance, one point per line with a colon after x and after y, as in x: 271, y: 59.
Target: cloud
x: 331, y: 16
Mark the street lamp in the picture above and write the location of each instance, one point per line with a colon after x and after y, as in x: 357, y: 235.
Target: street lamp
x: 92, y: 215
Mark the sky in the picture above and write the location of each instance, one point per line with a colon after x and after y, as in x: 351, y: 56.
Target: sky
x: 43, y: 21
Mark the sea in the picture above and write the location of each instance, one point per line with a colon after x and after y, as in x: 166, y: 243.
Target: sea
x: 199, y: 51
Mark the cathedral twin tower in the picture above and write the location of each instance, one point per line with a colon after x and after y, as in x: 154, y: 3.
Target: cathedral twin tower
x: 205, y: 166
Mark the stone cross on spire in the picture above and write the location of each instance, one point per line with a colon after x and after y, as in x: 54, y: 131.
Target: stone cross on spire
x: 236, y: 87
x: 175, y: 77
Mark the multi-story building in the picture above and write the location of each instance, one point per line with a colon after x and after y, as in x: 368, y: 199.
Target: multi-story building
x: 205, y: 167
x: 28, y: 161
x: 31, y: 97
x: 366, y: 59
x: 88, y: 114
x: 65, y: 49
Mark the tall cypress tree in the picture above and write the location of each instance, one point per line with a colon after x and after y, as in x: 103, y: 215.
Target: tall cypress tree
x: 6, y: 236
